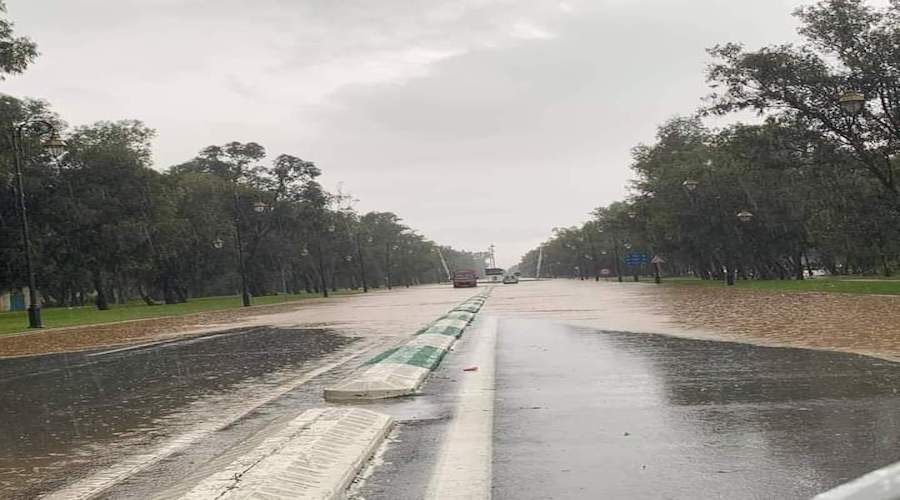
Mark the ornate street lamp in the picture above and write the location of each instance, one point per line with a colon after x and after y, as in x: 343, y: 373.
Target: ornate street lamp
x: 745, y: 216
x: 260, y: 207
x: 218, y: 243
x: 690, y: 185
x: 55, y: 147
x: 852, y: 102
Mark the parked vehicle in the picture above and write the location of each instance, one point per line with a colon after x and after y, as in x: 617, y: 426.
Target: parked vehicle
x: 494, y: 274
x: 510, y: 279
x: 465, y: 278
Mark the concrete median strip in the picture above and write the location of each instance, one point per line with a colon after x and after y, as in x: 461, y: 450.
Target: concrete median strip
x: 401, y: 371
x: 316, y: 456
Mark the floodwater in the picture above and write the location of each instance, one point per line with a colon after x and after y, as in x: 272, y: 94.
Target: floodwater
x: 144, y: 404
x: 581, y: 413
x: 615, y: 391
x: 59, y: 412
x: 864, y: 324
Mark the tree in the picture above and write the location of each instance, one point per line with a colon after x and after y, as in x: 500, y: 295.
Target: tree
x: 849, y: 47
x: 16, y: 52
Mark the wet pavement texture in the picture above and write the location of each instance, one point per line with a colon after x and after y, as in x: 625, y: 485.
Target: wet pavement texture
x: 581, y: 413
x: 144, y: 419
x: 58, y: 412
x: 379, y: 312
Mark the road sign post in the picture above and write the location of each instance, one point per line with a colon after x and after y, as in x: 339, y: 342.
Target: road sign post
x: 634, y: 260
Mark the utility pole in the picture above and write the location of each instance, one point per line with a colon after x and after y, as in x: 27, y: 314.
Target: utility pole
x: 493, y: 262
x: 444, y: 263
x: 537, y: 274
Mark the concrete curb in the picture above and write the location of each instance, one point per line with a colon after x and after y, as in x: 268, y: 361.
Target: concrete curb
x: 881, y: 484
x: 400, y: 371
x: 316, y: 456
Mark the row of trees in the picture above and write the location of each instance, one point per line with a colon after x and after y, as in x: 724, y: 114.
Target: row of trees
x: 107, y: 227
x: 811, y: 187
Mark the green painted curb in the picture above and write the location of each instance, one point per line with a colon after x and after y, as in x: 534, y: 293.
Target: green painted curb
x: 462, y: 315
x: 447, y: 330
x: 424, y: 356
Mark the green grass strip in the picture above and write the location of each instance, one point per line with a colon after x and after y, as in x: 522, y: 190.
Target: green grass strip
x: 856, y: 285
x: 54, y: 317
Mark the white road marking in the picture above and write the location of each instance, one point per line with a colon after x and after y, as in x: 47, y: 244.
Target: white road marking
x: 104, y: 479
x: 169, y: 343
x: 463, y: 467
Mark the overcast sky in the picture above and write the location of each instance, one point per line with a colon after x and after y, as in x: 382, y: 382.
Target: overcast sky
x: 476, y: 121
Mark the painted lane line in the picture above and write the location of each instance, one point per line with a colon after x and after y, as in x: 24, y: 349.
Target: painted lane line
x: 106, y: 478
x: 463, y: 469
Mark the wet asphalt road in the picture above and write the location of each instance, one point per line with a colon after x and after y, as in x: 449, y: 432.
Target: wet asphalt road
x: 579, y: 411
x: 585, y: 413
x: 62, y: 414
x: 590, y: 414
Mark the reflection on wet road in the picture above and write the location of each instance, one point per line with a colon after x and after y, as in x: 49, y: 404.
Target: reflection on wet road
x: 53, y: 407
x: 582, y: 413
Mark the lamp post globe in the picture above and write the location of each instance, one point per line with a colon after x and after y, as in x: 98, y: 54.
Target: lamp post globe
x: 745, y: 216
x: 54, y: 145
x: 852, y: 102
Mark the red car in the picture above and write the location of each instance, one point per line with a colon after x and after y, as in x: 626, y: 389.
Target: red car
x: 465, y: 279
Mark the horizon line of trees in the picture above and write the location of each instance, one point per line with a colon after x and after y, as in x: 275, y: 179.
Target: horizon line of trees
x: 106, y: 227
x: 811, y: 187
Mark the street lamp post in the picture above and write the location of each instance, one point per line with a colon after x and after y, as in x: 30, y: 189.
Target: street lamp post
x: 55, y: 146
x: 362, y: 264
x: 387, y: 264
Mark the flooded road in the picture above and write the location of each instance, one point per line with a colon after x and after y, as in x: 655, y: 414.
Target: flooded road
x: 582, y: 413
x: 599, y: 391
x: 124, y: 421
x: 607, y: 391
x: 62, y: 413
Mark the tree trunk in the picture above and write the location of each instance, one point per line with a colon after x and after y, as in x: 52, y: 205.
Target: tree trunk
x: 99, y: 286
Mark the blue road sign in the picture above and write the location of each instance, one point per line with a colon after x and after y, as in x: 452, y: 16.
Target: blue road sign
x: 635, y: 259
